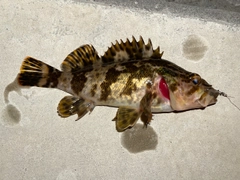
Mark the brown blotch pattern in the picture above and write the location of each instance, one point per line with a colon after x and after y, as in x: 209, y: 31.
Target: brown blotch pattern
x: 129, y: 88
x: 192, y: 90
x: 111, y: 77
x: 52, y: 80
x: 78, y: 82
x: 93, y: 90
x: 142, y: 70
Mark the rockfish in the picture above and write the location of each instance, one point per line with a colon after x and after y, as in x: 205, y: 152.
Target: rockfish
x: 130, y: 75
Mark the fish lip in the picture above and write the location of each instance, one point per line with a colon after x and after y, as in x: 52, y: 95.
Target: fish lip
x: 211, y: 94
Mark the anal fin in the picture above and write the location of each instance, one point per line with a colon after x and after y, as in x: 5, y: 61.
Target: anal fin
x: 70, y: 105
x: 126, y: 118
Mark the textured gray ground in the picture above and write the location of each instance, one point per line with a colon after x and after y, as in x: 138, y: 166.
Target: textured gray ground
x: 211, y: 10
x: 37, y: 144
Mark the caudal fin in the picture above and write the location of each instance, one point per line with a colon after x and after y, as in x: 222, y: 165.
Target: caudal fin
x: 37, y: 73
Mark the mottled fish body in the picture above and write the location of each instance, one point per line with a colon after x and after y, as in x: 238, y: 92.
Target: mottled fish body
x: 130, y: 75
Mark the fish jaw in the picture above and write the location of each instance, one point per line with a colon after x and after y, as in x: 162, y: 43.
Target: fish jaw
x: 181, y: 102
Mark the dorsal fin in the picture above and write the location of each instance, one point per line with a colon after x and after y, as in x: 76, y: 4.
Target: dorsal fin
x: 83, y: 57
x: 135, y: 50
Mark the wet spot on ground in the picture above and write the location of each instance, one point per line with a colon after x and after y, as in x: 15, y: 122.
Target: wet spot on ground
x: 10, y: 115
x: 194, y: 47
x: 139, y: 139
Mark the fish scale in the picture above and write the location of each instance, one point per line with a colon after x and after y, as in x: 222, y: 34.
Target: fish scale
x: 131, y: 76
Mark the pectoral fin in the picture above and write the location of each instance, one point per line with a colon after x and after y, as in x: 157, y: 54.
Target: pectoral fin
x: 126, y: 118
x: 145, y: 106
x: 70, y: 105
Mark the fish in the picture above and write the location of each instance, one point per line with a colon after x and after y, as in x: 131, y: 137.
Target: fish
x: 131, y: 76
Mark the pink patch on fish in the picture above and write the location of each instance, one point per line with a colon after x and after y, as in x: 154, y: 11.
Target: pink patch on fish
x: 164, y: 88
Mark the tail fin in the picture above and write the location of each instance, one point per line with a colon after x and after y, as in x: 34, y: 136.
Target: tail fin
x: 36, y: 73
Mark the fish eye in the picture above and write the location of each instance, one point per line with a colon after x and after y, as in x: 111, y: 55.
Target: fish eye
x: 195, y: 79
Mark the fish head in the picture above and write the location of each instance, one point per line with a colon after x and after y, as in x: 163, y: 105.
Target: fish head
x: 189, y: 91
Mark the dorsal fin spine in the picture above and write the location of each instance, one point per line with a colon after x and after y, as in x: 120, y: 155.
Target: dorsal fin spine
x: 140, y: 42
x: 134, y: 50
x: 117, y: 46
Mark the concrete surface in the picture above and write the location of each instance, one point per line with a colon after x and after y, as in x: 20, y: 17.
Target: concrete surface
x: 208, y: 10
x: 37, y: 144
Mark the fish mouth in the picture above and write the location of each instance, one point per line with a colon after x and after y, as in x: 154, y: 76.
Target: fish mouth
x: 163, y: 87
x: 209, y: 97
x: 213, y: 92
